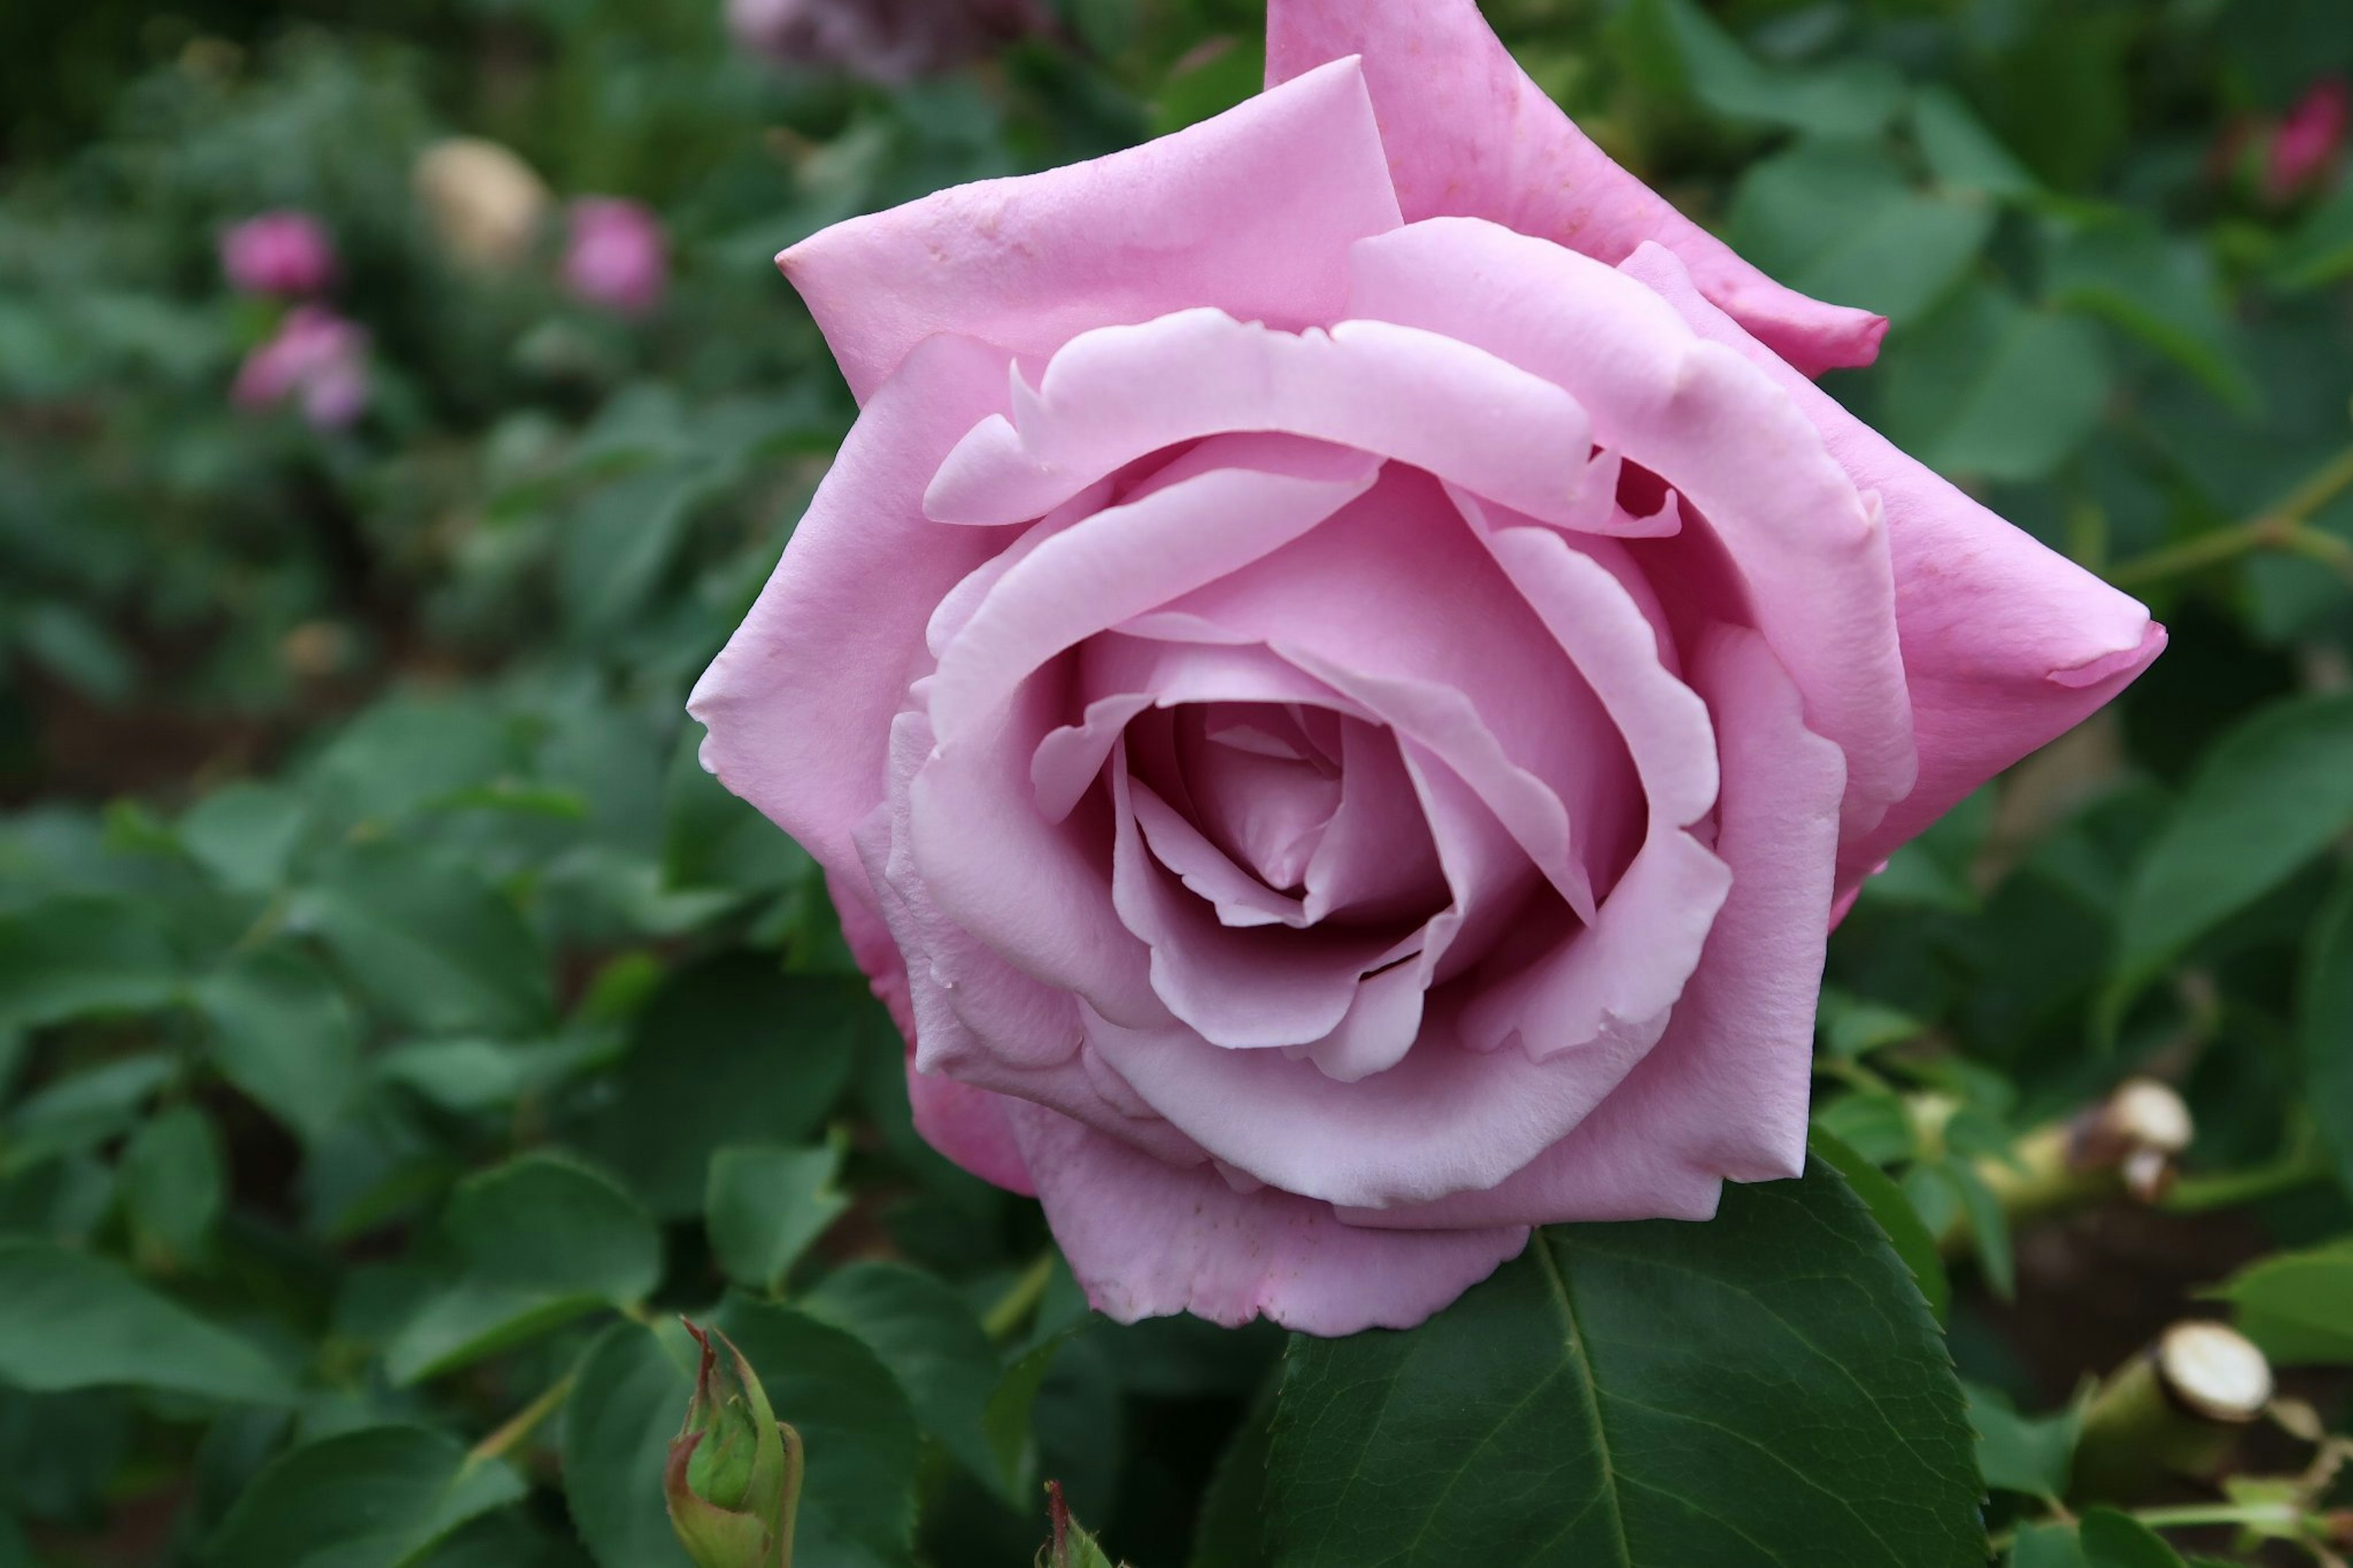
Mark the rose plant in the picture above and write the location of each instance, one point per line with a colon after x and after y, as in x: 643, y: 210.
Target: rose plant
x: 1344, y: 674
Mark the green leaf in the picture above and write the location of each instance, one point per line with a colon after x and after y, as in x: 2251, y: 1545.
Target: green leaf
x: 1897, y: 1218
x: 174, y: 1186
x: 1766, y: 1388
x: 282, y: 1033
x: 409, y: 753
x: 1839, y: 221
x: 2029, y: 1454
x: 733, y: 1051
x: 465, y: 1075
x: 2325, y: 1018
x: 1012, y: 1405
x: 431, y: 943
x: 2269, y: 795
x: 2298, y: 1306
x: 858, y: 1497
x: 374, y: 1498
x: 1986, y: 388
x: 2320, y: 251
x: 932, y: 1344
x: 69, y: 1321
x: 544, y: 1240
x: 2160, y: 290
x: 1849, y: 97
x: 246, y: 834
x: 621, y: 538
x: 78, y: 1114
x: 1961, y: 153
x: 1232, y: 1531
x: 71, y: 957
x: 765, y: 1206
x: 1214, y: 76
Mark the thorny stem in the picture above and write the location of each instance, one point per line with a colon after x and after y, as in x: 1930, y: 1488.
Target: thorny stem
x: 523, y: 1423
x: 2285, y: 527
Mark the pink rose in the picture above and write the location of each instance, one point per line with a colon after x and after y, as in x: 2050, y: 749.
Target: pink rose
x: 2306, y: 147
x: 282, y: 253
x: 317, y: 359
x: 1343, y: 673
x: 615, y: 256
x: 886, y: 41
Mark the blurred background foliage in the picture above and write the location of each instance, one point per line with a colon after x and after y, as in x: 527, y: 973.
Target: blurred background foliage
x: 397, y: 1028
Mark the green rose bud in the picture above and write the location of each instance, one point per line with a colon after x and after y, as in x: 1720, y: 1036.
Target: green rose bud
x: 734, y: 1474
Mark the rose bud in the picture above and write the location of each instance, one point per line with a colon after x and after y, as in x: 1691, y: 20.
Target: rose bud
x: 886, y: 41
x: 316, y: 359
x: 484, y: 203
x: 2306, y: 147
x: 282, y: 253
x: 1345, y: 673
x: 615, y: 256
x: 1069, y: 1546
x: 733, y: 1479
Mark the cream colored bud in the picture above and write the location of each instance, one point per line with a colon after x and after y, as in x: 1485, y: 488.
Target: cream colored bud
x: 485, y: 203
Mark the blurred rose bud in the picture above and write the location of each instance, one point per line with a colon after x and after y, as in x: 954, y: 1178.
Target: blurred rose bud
x: 284, y: 253
x: 615, y: 256
x: 2304, y: 148
x: 733, y: 1479
x: 485, y: 203
x: 317, y: 359
x: 886, y: 41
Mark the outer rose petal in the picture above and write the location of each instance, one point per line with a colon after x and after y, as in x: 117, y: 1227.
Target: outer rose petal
x: 2007, y: 645
x: 1252, y: 212
x: 1724, y: 1092
x: 799, y: 702
x: 970, y: 1126
x: 1469, y: 135
x: 1146, y: 1240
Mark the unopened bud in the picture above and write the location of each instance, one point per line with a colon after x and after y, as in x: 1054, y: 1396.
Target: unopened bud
x: 733, y: 1479
x: 485, y: 203
x: 1071, y: 1547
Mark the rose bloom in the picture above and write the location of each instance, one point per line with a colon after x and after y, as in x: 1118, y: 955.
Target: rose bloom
x: 615, y: 258
x: 1345, y: 673
x: 318, y: 360
x: 282, y: 253
x: 887, y: 41
x: 2308, y: 141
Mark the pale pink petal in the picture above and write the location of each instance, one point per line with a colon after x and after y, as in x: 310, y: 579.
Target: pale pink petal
x: 1724, y: 433
x: 799, y: 702
x: 1376, y: 859
x: 2007, y: 645
x: 1621, y: 974
x: 1250, y: 212
x: 1469, y: 135
x: 1394, y: 605
x: 969, y: 1126
x: 1244, y: 989
x: 1114, y: 395
x: 1724, y: 1092
x: 1145, y: 1240
x: 1208, y: 873
x: 1123, y: 561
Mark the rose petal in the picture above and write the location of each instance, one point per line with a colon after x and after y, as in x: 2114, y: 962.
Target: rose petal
x: 1625, y: 970
x: 1146, y: 1241
x: 2007, y: 645
x: 1250, y: 212
x: 1469, y: 135
x: 1723, y: 1093
x: 799, y: 702
x: 969, y: 1126
x: 1114, y: 395
x: 1727, y: 435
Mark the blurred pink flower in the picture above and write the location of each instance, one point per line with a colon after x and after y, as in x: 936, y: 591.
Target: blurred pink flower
x: 317, y: 359
x: 615, y: 256
x: 886, y: 41
x: 2309, y: 140
x: 285, y: 253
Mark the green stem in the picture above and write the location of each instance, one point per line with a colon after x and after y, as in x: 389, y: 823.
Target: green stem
x: 523, y: 1423
x: 2285, y: 526
x: 1014, y: 1308
x: 2230, y: 1189
x: 2187, y: 1516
